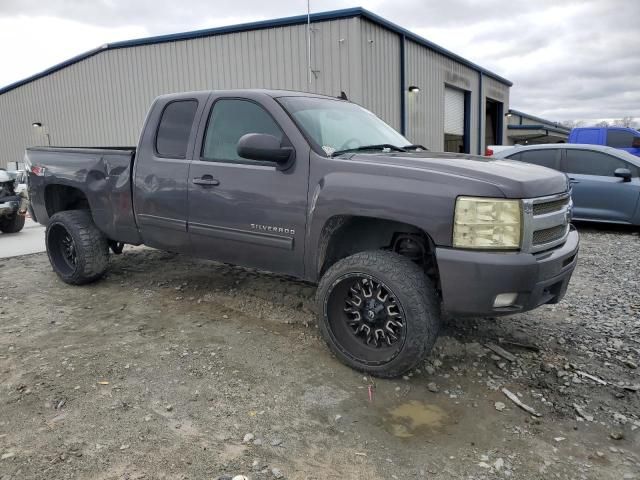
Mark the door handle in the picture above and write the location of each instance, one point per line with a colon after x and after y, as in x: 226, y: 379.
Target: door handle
x: 206, y: 180
x: 573, y: 181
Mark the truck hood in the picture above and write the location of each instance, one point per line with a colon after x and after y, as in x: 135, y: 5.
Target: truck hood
x: 515, y: 179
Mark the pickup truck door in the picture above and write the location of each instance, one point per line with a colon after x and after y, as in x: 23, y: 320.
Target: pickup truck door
x: 598, y: 194
x: 162, y: 170
x: 248, y: 212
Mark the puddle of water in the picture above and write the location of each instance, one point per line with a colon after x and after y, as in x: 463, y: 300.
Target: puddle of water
x: 410, y: 418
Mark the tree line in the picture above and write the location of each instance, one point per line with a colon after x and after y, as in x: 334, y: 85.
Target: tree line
x: 629, y: 122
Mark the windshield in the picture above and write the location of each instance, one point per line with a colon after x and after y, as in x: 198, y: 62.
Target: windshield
x: 337, y: 125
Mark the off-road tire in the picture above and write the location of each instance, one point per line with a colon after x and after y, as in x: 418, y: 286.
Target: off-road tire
x: 91, y: 247
x: 412, y: 289
x: 12, y: 224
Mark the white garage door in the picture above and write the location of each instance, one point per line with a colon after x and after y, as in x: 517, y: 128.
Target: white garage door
x: 453, y: 111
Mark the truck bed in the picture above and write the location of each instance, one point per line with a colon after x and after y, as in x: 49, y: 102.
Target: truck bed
x: 100, y: 176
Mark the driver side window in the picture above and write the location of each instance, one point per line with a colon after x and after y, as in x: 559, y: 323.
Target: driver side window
x: 589, y: 162
x: 229, y: 120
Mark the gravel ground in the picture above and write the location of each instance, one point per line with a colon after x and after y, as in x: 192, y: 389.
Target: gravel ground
x: 173, y: 368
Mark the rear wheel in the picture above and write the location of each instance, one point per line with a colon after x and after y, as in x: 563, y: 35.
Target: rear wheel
x: 12, y: 224
x: 78, y: 251
x: 378, y: 312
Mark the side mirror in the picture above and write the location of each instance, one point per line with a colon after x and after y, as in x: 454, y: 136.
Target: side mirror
x: 264, y: 147
x: 623, y: 173
x: 636, y: 142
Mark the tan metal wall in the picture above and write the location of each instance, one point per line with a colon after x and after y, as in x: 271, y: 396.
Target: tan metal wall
x: 103, y: 100
x: 431, y: 71
x: 381, y: 72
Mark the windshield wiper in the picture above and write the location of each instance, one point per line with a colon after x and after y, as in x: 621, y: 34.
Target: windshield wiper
x: 380, y: 146
x: 416, y: 147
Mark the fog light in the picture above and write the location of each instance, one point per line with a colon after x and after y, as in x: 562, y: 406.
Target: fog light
x: 505, y: 300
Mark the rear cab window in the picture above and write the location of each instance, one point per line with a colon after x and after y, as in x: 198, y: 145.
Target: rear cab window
x: 174, y: 128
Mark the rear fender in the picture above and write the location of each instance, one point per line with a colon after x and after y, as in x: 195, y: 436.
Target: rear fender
x: 104, y: 181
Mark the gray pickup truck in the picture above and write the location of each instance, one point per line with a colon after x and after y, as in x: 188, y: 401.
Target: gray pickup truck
x: 321, y: 189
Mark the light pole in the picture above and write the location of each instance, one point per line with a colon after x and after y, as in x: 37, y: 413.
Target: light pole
x: 39, y: 126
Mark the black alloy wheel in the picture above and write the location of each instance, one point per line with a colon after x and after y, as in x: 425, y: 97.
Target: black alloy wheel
x: 63, y: 248
x: 366, y: 318
x: 378, y: 312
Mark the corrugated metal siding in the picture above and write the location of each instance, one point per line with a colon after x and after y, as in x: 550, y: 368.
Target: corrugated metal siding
x: 103, y: 99
x: 381, y: 72
x: 335, y: 59
x: 431, y: 71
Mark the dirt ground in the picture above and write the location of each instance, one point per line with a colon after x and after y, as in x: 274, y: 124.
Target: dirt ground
x: 174, y: 368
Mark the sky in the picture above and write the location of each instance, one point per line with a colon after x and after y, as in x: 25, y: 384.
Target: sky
x: 568, y: 59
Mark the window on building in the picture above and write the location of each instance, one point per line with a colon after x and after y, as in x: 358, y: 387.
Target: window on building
x: 544, y: 157
x: 231, y: 119
x: 589, y: 162
x: 174, y: 128
x: 619, y: 138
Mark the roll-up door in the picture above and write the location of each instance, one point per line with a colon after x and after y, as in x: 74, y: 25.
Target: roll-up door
x: 453, y: 111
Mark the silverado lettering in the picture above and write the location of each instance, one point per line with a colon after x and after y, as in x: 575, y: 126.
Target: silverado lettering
x: 269, y: 228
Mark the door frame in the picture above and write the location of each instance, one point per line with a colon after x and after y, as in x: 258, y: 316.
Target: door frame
x: 153, y: 228
x: 281, y: 237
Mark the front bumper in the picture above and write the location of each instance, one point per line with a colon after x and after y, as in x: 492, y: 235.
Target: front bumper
x: 471, y: 280
x: 10, y: 205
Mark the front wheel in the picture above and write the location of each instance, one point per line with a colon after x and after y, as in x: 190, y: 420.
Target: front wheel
x: 378, y: 312
x: 12, y: 224
x: 78, y: 251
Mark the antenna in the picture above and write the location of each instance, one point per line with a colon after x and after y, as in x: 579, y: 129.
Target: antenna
x: 309, y: 41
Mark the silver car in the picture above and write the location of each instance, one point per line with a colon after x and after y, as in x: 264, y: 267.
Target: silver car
x: 605, y: 180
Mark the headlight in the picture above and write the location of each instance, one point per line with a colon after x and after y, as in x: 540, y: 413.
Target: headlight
x: 490, y: 223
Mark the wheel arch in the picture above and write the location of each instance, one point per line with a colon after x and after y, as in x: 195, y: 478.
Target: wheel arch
x: 59, y: 197
x: 109, y: 208
x: 345, y: 235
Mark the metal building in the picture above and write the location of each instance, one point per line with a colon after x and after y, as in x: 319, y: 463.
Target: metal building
x: 100, y: 98
x: 526, y: 129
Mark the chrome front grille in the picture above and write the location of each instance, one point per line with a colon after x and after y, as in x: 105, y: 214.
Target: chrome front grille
x: 550, y: 207
x: 546, y: 222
